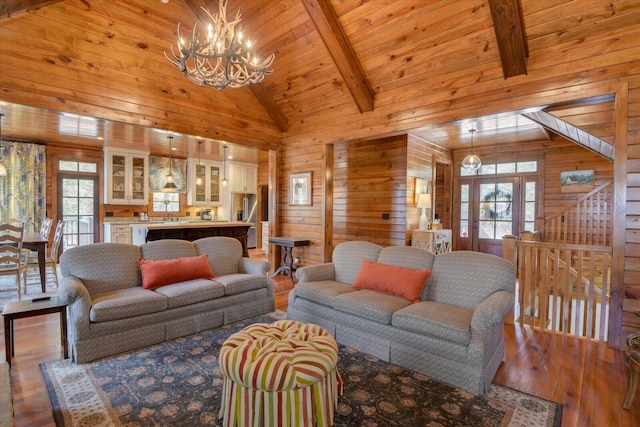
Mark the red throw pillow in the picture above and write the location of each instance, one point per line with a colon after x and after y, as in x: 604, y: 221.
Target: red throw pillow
x: 162, y: 272
x: 390, y: 279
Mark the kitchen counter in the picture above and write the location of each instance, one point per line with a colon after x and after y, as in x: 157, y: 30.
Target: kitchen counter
x: 143, y: 232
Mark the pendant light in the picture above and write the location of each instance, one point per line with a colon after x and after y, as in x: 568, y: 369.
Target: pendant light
x: 472, y: 162
x: 224, y: 169
x: 3, y: 169
x: 170, y: 186
x: 198, y: 177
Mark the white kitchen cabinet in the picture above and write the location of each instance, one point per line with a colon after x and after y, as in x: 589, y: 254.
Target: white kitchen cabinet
x: 126, y: 177
x: 244, y: 178
x: 117, y: 233
x: 207, y: 193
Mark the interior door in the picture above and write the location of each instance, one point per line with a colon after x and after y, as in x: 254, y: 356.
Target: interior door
x: 495, y: 212
x: 78, y: 207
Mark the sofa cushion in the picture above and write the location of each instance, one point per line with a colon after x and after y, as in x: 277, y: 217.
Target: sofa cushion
x: 323, y: 291
x: 191, y: 292
x: 168, y: 249
x: 240, y: 283
x: 124, y: 303
x: 224, y: 253
x: 438, y: 320
x: 348, y: 256
x: 391, y: 279
x: 370, y: 305
x: 102, y: 267
x: 466, y: 278
x: 156, y: 273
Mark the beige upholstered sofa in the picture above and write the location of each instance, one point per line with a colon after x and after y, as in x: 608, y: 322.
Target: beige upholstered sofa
x: 110, y: 312
x: 453, y: 334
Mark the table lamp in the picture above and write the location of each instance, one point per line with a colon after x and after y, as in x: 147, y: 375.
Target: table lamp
x: 424, y: 203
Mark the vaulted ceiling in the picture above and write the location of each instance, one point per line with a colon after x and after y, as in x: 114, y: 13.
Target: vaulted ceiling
x: 105, y: 59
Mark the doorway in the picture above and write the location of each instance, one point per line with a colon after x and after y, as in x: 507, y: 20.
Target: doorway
x: 495, y: 213
x: 78, y: 207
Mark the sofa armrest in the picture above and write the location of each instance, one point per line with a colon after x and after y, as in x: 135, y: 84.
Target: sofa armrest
x: 312, y: 273
x: 253, y: 266
x: 73, y: 292
x: 492, y: 310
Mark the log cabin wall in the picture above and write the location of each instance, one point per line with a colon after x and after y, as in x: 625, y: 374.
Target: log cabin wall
x: 370, y: 183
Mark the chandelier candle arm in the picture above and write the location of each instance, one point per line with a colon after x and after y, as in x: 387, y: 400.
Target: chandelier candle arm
x: 221, y: 60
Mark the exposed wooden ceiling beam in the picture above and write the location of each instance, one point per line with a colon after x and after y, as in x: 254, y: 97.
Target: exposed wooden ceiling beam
x: 258, y: 90
x: 10, y: 8
x: 508, y: 24
x: 332, y: 33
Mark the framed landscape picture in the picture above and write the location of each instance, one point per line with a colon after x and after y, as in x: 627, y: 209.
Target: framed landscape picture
x: 576, y: 181
x: 300, y: 188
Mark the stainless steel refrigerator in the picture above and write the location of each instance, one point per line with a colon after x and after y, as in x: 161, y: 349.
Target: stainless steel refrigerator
x: 244, y: 207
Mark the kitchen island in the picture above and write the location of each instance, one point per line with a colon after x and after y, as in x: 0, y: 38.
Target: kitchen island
x: 143, y: 232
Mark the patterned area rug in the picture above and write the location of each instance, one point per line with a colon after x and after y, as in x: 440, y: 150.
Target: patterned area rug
x: 178, y: 383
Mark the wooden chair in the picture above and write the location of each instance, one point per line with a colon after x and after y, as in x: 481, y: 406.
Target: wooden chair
x: 12, y: 257
x: 45, y: 227
x: 51, y: 262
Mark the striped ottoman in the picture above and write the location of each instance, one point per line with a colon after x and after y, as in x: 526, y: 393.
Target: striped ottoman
x: 280, y: 374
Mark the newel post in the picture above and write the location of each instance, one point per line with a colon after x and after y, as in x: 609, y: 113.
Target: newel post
x: 510, y: 254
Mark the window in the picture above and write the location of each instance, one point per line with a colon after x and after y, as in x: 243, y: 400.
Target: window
x: 70, y: 166
x: 166, y: 202
x: 464, y: 210
x: 503, y: 168
x: 529, y: 206
x: 74, y: 124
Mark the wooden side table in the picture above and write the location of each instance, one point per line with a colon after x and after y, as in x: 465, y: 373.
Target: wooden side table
x: 436, y: 241
x: 288, y: 243
x: 28, y: 308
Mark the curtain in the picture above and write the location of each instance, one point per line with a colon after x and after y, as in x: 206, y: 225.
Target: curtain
x: 23, y: 190
x: 159, y: 168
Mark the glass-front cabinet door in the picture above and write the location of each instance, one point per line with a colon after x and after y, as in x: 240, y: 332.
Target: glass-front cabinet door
x: 127, y: 176
x: 204, y: 183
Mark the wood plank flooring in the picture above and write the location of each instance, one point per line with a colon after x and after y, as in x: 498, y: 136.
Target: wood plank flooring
x: 587, y: 377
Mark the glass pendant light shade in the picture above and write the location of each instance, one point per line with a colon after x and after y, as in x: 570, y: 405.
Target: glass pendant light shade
x: 198, y: 177
x: 224, y: 169
x: 472, y: 162
x: 170, y: 186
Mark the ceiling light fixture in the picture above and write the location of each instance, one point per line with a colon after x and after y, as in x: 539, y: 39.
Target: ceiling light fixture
x: 221, y: 59
x: 224, y: 169
x: 3, y: 169
x: 199, y: 178
x: 170, y: 186
x: 472, y: 162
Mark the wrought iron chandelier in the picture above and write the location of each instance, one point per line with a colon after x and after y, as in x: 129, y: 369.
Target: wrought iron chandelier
x: 472, y: 162
x: 221, y: 59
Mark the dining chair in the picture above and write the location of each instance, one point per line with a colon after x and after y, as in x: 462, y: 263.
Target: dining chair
x: 12, y: 257
x: 51, y: 261
x: 45, y: 227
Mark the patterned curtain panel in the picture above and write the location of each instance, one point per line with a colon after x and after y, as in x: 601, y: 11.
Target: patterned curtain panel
x: 159, y: 168
x: 23, y: 190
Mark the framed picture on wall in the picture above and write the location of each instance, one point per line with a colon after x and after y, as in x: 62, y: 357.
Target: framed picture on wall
x: 300, y: 188
x: 576, y: 181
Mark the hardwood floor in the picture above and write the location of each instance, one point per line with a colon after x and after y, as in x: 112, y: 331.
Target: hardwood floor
x: 587, y: 377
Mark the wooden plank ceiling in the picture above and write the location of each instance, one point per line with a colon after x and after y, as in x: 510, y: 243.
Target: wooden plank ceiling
x: 105, y: 59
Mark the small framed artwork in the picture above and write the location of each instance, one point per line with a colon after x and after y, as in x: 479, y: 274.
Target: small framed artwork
x: 576, y: 181
x: 300, y: 188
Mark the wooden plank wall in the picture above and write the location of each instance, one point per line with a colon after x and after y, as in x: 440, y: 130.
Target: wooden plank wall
x: 370, y: 179
x: 631, y: 296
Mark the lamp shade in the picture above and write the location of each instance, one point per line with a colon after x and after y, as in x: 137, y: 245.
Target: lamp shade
x: 424, y: 200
